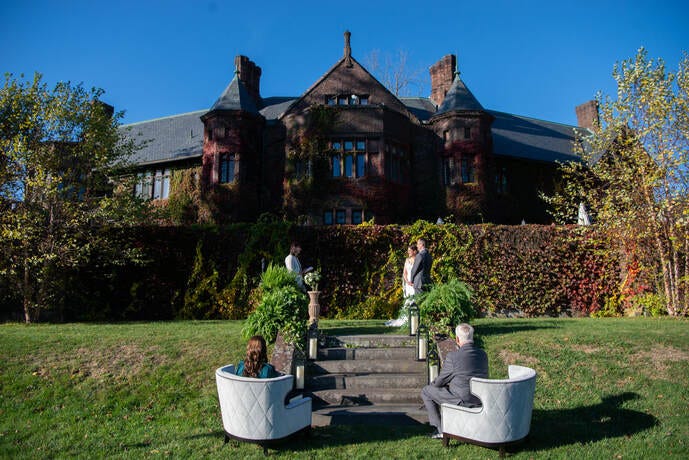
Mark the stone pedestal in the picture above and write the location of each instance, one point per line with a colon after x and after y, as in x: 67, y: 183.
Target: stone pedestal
x: 283, y: 357
x: 445, y: 347
x: 314, y: 307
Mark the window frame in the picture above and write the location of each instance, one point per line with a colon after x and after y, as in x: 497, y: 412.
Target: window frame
x: 231, y: 174
x: 357, y: 216
x: 466, y: 171
x: 349, y: 157
x: 153, y: 184
x: 328, y: 217
x: 343, y: 214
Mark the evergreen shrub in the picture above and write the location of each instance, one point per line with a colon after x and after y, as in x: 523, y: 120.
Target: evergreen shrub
x: 445, y: 306
x: 282, y: 307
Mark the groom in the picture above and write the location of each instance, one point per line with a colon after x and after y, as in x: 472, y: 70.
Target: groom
x: 421, y: 270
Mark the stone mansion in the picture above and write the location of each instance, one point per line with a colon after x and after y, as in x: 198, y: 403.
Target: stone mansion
x: 348, y: 150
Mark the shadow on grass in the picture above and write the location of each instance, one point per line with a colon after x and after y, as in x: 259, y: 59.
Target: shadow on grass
x: 336, y: 435
x: 556, y: 428
x: 511, y: 326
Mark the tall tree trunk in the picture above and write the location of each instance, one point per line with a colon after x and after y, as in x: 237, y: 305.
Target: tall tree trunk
x: 26, y: 291
x: 685, y: 279
x: 658, y: 235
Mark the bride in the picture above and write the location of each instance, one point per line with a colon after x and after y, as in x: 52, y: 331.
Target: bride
x: 407, y: 287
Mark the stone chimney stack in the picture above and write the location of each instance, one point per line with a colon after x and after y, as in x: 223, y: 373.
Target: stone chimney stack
x: 348, y: 49
x: 587, y: 115
x: 250, y: 75
x: 442, y: 76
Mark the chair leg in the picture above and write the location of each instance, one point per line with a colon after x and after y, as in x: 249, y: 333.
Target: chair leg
x: 227, y: 438
x: 501, y: 451
x: 446, y: 440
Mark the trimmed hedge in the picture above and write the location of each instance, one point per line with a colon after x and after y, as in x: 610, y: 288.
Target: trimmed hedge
x: 528, y: 270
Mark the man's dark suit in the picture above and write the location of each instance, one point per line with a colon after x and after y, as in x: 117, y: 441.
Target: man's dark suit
x: 421, y: 270
x: 452, y: 384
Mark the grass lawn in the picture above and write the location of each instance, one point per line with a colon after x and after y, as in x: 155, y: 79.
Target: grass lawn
x: 606, y: 388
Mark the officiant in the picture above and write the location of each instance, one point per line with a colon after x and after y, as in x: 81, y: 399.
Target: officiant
x: 292, y: 263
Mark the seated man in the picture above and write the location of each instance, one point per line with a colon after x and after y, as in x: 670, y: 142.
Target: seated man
x: 452, y: 384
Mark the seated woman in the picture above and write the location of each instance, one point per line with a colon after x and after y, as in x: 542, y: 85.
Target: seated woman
x: 256, y: 362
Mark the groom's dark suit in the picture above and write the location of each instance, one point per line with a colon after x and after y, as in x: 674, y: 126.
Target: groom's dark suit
x: 452, y: 384
x: 421, y: 270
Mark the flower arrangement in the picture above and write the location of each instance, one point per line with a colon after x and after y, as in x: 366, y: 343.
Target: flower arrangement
x: 312, y: 279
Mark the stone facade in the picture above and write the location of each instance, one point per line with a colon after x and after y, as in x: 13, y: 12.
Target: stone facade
x: 348, y: 150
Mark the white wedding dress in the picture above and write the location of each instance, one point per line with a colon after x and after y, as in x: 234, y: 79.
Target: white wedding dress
x: 408, y: 292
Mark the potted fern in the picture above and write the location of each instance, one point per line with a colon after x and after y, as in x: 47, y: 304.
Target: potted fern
x: 445, y: 305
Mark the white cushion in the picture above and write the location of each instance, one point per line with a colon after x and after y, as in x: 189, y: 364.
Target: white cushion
x: 254, y: 409
x: 505, y: 414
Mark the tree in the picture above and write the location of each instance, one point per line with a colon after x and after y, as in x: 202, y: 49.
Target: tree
x: 636, y: 171
x: 61, y: 150
x: 394, y: 73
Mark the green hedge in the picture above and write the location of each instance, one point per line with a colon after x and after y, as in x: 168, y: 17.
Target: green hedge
x: 527, y: 270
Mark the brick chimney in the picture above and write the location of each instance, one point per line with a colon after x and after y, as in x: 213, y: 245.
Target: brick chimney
x: 442, y: 75
x: 587, y: 115
x: 250, y: 75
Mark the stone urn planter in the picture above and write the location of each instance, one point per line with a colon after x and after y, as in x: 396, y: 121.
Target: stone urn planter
x: 314, y: 307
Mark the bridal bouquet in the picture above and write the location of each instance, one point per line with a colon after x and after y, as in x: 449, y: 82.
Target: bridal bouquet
x: 312, y: 279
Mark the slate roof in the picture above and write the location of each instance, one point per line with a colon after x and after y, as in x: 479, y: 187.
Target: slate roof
x: 459, y: 97
x: 180, y: 137
x: 235, y: 97
x: 273, y: 107
x: 177, y: 137
x: 532, y: 139
x: 422, y: 107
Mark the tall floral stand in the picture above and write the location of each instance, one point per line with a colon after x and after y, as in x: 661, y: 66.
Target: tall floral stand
x: 314, y: 308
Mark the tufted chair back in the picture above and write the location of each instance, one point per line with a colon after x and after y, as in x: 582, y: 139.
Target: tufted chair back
x: 505, y: 414
x: 254, y: 409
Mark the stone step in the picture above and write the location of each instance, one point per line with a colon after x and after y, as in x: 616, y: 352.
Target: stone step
x: 377, y: 414
x: 367, y: 353
x: 369, y: 341
x: 366, y: 396
x: 346, y: 366
x: 358, y: 381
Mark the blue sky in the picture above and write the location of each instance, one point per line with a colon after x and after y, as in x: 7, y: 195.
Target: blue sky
x: 159, y: 58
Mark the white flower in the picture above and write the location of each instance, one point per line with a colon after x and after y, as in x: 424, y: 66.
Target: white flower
x: 312, y: 279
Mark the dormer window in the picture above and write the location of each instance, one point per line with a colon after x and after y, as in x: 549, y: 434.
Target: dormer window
x: 347, y: 99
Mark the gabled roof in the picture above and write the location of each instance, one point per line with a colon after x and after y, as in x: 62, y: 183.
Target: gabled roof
x: 349, y: 61
x: 459, y: 97
x: 178, y: 137
x: 235, y: 97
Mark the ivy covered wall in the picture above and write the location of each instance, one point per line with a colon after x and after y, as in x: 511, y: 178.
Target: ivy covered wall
x: 212, y: 271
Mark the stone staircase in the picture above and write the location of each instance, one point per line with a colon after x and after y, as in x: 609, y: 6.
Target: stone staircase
x: 367, y: 379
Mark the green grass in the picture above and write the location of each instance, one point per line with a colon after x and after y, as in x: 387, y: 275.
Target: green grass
x: 607, y: 388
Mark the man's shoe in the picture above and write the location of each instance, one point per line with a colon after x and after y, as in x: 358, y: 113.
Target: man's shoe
x: 437, y: 435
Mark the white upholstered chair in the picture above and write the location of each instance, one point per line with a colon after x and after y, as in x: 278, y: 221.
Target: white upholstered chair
x: 503, y: 418
x: 254, y: 409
